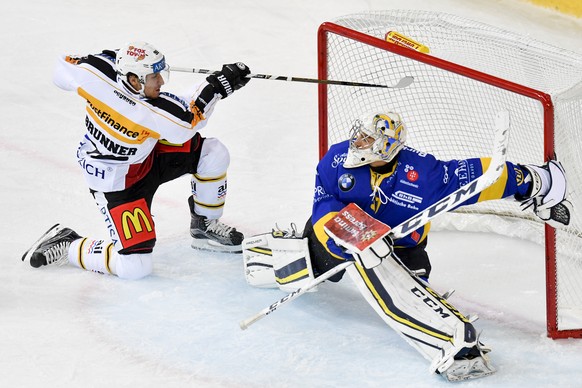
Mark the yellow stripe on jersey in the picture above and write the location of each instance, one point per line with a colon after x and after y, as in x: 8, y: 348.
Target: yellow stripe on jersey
x: 114, y: 123
x: 198, y: 116
x: 427, y: 227
x: 402, y: 320
x: 495, y: 191
x: 375, y: 181
x: 167, y: 143
x: 322, y: 236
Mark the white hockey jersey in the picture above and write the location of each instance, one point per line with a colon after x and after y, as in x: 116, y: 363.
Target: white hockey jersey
x: 122, y: 128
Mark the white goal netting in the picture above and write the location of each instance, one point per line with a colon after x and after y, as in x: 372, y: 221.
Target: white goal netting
x: 449, y: 111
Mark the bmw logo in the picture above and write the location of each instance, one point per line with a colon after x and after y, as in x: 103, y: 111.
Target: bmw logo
x: 346, y: 182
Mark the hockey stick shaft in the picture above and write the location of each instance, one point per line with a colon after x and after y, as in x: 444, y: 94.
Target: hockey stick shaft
x: 289, y: 297
x: 402, y: 83
x: 469, y: 190
x: 446, y: 204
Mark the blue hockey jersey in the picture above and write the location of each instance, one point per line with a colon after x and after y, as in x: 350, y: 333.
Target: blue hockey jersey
x: 416, y: 181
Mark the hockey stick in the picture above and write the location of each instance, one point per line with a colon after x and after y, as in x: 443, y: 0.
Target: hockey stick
x: 289, y: 297
x: 402, y: 83
x: 446, y: 204
x: 469, y: 190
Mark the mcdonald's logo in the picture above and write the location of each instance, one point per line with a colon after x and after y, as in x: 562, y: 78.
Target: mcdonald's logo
x: 136, y: 218
x: 133, y: 223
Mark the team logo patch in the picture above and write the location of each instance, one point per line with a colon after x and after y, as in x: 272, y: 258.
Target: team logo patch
x: 133, y: 222
x: 137, y: 52
x: 346, y: 182
x: 519, y: 176
x: 412, y: 175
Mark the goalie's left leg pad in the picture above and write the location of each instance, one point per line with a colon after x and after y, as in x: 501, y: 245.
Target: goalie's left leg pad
x: 258, y: 262
x: 420, y: 315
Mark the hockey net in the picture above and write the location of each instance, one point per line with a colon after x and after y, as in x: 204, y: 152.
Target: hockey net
x: 472, y: 71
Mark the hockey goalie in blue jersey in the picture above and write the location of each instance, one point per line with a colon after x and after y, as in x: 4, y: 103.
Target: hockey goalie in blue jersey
x: 392, y: 183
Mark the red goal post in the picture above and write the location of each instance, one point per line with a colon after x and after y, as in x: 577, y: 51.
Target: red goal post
x: 472, y: 71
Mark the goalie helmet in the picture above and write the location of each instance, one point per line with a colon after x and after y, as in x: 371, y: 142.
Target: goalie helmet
x: 378, y: 137
x: 141, y: 59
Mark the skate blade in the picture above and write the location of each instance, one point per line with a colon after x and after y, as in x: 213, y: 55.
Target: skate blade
x: 209, y: 245
x: 53, y: 230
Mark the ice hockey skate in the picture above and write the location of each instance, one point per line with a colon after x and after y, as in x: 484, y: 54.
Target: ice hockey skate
x: 213, y: 235
x: 52, y: 247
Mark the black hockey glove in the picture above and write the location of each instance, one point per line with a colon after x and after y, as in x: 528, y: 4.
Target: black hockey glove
x: 232, y: 77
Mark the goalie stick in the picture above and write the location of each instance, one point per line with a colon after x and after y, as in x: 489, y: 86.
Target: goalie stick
x: 446, y: 204
x: 402, y: 83
x: 470, y: 189
x: 244, y: 324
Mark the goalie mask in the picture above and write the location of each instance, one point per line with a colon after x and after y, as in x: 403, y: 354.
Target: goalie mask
x: 141, y: 59
x: 378, y: 137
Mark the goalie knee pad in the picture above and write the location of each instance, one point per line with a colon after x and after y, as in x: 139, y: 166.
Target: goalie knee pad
x: 277, y: 259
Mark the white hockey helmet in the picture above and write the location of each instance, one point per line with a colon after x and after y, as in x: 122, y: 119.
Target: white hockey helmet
x: 377, y: 137
x: 141, y: 59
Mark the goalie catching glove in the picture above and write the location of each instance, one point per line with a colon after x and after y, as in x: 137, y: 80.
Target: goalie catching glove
x: 232, y: 77
x: 548, y: 193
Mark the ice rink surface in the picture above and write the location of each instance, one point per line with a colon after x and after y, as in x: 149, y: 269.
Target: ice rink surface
x: 62, y: 327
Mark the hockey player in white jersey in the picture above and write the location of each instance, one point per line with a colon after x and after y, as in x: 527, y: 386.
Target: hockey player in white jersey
x: 374, y: 175
x: 136, y: 138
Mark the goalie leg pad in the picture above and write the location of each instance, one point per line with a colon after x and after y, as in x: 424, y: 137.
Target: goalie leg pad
x: 274, y: 260
x: 291, y: 262
x: 258, y: 262
x: 419, y: 314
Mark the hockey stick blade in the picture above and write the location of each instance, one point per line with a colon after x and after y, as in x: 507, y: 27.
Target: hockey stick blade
x: 289, y: 297
x: 402, y: 83
x: 491, y: 175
